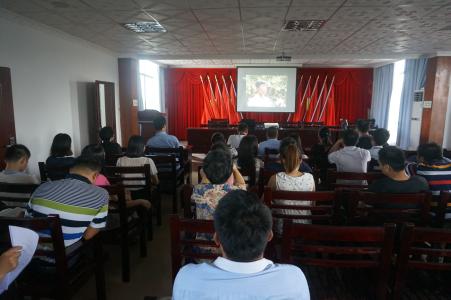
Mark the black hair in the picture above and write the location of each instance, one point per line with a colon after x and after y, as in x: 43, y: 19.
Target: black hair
x: 242, y: 223
x: 61, y: 145
x: 218, y: 166
x: 220, y: 146
x: 106, y: 133
x: 94, y: 151
x: 392, y: 156
x: 324, y: 135
x: 16, y: 152
x: 159, y: 122
x: 242, y: 127
x: 86, y: 162
x: 298, y: 141
x: 272, y: 132
x: 135, y: 147
x: 363, y: 125
x: 430, y: 152
x: 350, y: 137
x: 381, y: 136
x: 217, y: 137
x: 247, y: 152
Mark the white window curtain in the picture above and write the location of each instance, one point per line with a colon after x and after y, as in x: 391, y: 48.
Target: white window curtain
x: 382, y: 89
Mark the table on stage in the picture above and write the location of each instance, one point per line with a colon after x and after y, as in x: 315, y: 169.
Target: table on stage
x: 200, y: 138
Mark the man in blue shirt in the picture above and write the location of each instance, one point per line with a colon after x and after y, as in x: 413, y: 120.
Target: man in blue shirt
x: 161, y: 139
x: 271, y: 141
x: 243, y: 226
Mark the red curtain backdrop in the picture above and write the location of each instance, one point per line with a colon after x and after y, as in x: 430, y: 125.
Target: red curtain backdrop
x: 351, y: 95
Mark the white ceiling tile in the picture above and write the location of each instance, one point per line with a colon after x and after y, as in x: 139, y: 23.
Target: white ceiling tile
x: 111, y: 4
x: 310, y: 12
x: 196, y: 4
x: 162, y: 5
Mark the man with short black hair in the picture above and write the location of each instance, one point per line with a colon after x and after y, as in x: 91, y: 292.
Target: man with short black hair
x: 234, y: 140
x: 161, y: 139
x: 380, y: 139
x: 81, y: 206
x: 221, y: 177
x: 271, y: 141
x: 16, y: 159
x: 363, y: 127
x: 435, y: 168
x: 346, y: 156
x: 110, y: 147
x: 243, y: 227
x: 392, y: 164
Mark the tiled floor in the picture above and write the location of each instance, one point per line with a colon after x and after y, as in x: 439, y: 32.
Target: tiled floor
x: 150, y: 276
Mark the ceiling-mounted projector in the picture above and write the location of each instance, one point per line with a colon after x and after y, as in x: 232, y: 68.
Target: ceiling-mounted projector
x: 283, y: 57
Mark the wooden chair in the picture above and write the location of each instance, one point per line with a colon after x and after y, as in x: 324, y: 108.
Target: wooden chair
x: 250, y: 176
x: 169, y: 175
x: 184, y: 239
x: 16, y: 194
x: 129, y: 227
x: 52, y: 173
x: 183, y: 156
x: 377, y: 208
x: 72, y: 266
x: 270, y: 155
x: 263, y: 179
x: 440, y: 211
x: 189, y: 207
x: 321, y: 209
x: 345, y: 250
x: 425, y: 253
x: 137, y: 180
x: 333, y: 176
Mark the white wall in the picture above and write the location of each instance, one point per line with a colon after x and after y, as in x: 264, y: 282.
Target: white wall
x: 52, y: 75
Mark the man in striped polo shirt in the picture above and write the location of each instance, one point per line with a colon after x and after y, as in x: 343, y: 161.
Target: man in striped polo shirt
x: 81, y: 206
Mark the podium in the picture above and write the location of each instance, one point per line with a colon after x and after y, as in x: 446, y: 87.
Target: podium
x: 145, y: 121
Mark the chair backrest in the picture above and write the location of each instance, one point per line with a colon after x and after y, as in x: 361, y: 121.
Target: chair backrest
x: 184, y: 239
x: 379, y: 208
x: 189, y: 207
x: 422, y: 249
x: 178, y: 152
x: 271, y: 155
x: 250, y: 176
x: 321, y: 206
x: 333, y: 176
x: 263, y: 178
x: 130, y: 177
x: 16, y: 192
x: 51, y: 226
x: 443, y: 202
x: 341, y: 247
x: 166, y: 165
x: 118, y: 191
x: 52, y: 173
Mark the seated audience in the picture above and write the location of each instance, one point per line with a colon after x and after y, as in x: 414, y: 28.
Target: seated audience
x: 435, y: 168
x: 16, y: 159
x: 320, y: 150
x: 297, y: 138
x: 392, y: 164
x: 292, y: 180
x: 277, y: 166
x: 218, y: 137
x: 81, y: 206
x: 221, y: 177
x: 235, y: 139
x: 111, y: 148
x: 243, y: 226
x: 346, y: 156
x: 247, y: 155
x: 161, y: 139
x: 380, y: 139
x: 365, y: 140
x: 61, y: 156
x: 271, y: 141
x: 134, y: 157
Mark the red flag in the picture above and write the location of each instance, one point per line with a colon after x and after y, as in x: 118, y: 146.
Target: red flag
x: 232, y: 94
x: 330, y: 119
x: 219, y: 101
x: 208, y: 110
x: 302, y: 93
x: 226, y: 101
x: 211, y: 96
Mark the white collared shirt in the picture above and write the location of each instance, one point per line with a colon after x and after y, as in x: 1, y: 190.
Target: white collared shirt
x: 350, y: 159
x: 242, y: 267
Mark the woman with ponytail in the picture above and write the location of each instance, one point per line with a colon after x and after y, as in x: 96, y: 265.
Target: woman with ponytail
x: 291, y: 180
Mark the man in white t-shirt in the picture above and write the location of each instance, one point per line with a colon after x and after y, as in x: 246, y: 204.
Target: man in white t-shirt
x: 346, y: 156
x: 234, y: 140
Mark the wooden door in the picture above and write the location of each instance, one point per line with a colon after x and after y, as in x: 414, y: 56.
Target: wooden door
x: 105, y: 105
x: 7, y: 128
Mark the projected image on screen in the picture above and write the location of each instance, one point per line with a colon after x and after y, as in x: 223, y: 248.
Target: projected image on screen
x: 266, y: 89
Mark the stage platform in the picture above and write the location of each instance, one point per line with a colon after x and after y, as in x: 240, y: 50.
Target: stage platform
x: 200, y: 138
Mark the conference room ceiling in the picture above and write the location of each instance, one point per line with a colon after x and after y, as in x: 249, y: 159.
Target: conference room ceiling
x: 231, y: 32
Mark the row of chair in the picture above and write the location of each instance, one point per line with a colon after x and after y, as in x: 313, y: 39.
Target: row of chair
x: 345, y: 251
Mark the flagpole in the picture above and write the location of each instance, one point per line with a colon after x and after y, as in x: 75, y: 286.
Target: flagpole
x: 305, y: 92
x: 220, y: 96
x: 229, y: 104
x: 297, y: 91
x: 214, y: 98
x: 314, y: 89
x: 233, y: 87
x: 327, y: 99
x: 319, y: 99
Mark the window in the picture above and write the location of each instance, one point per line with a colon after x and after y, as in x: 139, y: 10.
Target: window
x: 149, y: 75
x: 395, y: 100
